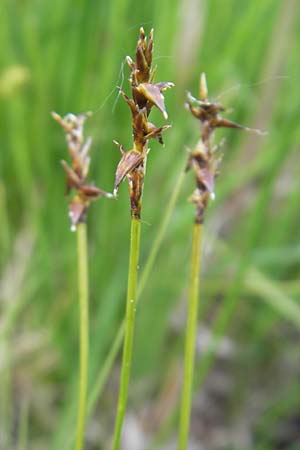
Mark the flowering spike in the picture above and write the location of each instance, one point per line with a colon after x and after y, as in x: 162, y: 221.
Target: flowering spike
x: 203, y: 160
x: 77, y: 173
x: 145, y: 95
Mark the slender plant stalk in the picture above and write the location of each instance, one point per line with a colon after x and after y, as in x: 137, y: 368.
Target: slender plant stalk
x: 204, y: 160
x: 145, y: 95
x: 84, y: 330
x: 76, y: 180
x: 83, y: 193
x: 191, y: 328
x: 129, y: 329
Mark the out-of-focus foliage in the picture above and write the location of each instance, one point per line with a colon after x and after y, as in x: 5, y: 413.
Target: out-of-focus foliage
x: 69, y: 57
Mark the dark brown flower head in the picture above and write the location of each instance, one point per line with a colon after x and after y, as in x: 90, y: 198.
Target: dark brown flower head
x: 145, y: 95
x: 77, y: 173
x: 205, y: 158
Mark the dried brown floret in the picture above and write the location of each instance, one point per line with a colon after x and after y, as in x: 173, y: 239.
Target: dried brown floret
x: 129, y: 161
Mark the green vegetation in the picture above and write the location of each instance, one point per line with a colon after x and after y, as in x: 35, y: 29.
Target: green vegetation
x: 65, y: 56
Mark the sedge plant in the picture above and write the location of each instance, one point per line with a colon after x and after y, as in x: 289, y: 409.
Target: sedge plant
x: 204, y: 160
x: 145, y: 95
x: 79, y: 151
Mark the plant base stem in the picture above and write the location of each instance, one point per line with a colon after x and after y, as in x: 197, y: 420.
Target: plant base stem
x: 129, y: 328
x: 191, y: 328
x: 84, y: 331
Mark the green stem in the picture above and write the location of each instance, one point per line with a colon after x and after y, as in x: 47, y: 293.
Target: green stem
x: 129, y: 328
x: 84, y: 331
x: 191, y: 328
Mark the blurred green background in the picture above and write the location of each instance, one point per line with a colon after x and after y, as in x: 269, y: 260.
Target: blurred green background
x: 69, y: 57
